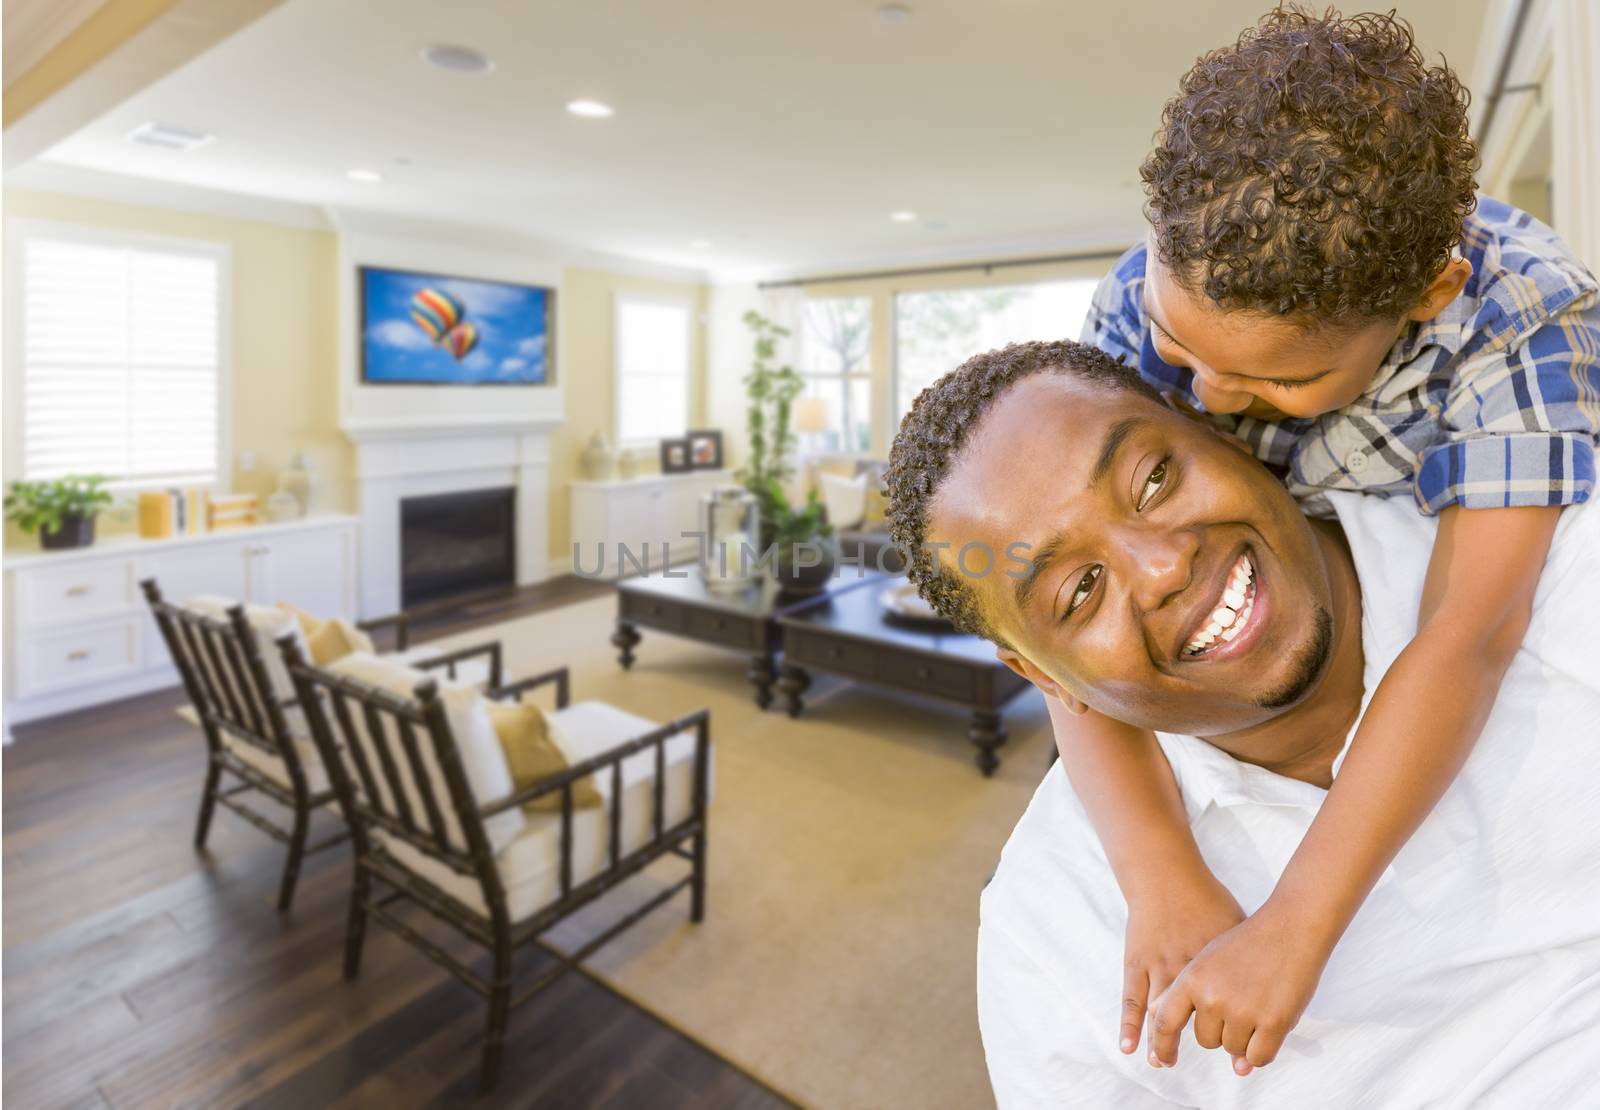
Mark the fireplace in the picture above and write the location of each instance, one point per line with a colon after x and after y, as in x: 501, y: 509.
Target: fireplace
x: 456, y: 543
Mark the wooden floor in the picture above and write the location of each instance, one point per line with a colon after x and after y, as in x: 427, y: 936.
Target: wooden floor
x: 141, y: 973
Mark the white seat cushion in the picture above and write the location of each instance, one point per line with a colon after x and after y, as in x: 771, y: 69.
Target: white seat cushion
x: 482, y: 758
x: 273, y: 768
x: 530, y: 866
x: 845, y: 498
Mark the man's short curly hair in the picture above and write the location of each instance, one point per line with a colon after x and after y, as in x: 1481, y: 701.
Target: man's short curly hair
x: 939, y: 426
x: 1318, y: 168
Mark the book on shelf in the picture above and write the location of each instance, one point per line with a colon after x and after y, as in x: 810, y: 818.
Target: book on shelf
x: 172, y: 512
x: 233, y: 510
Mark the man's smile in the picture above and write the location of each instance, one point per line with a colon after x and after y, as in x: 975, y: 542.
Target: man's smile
x: 1228, y: 621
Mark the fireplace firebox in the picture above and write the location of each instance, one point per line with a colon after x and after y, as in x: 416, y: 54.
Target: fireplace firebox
x: 457, y: 543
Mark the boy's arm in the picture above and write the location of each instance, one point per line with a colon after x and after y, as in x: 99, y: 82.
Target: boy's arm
x: 1249, y: 988
x: 1175, y: 905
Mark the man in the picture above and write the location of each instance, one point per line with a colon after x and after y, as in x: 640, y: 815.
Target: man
x: 1052, y: 504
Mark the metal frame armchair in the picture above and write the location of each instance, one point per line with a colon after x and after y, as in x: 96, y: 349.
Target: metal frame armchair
x: 399, y: 777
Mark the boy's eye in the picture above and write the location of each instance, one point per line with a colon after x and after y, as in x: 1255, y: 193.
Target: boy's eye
x: 1085, y: 588
x: 1285, y: 383
x: 1152, y: 485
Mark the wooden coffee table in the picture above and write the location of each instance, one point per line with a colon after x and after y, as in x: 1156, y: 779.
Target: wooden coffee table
x: 847, y: 634
x: 742, y: 620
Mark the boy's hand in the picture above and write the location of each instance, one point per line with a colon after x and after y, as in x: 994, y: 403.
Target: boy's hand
x: 1166, y: 928
x: 1246, y: 991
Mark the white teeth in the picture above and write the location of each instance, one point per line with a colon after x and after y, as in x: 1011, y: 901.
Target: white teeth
x: 1228, y: 619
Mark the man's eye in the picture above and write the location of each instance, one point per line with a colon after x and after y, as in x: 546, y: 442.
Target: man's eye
x: 1152, y: 485
x: 1085, y: 587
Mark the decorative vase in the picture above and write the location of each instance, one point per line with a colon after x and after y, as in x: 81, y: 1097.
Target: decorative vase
x: 794, y: 578
x: 299, y: 480
x: 627, y: 465
x: 76, y: 530
x: 598, y: 459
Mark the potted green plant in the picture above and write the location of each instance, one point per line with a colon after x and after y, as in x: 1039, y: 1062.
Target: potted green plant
x: 63, y: 510
x: 799, y: 536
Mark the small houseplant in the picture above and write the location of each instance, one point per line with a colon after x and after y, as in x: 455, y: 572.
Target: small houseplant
x: 62, y: 509
x: 788, y: 530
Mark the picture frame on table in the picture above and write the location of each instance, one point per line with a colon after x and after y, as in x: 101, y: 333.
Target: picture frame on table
x: 675, y: 456
x: 705, y: 449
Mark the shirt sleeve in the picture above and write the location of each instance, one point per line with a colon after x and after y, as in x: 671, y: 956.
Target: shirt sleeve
x: 1522, y: 424
x: 1114, y: 323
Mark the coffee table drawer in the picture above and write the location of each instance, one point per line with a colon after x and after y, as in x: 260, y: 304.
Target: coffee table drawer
x: 651, y: 611
x: 719, y: 628
x: 926, y: 676
x: 831, y: 653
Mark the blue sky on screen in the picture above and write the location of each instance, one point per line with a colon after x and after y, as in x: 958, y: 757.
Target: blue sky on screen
x: 510, y: 320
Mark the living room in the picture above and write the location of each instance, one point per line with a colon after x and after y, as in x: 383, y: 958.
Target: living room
x: 503, y: 392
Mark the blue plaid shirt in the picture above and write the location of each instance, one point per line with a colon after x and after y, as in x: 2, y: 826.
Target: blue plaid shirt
x: 1494, y: 402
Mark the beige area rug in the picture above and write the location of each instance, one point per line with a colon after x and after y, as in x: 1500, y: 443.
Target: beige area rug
x: 847, y: 853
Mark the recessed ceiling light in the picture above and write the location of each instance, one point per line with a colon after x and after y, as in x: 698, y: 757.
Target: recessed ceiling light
x: 902, y: 216
x: 366, y: 177
x: 894, y: 13
x: 700, y: 244
x: 168, y: 137
x: 457, y: 59
x: 590, y: 109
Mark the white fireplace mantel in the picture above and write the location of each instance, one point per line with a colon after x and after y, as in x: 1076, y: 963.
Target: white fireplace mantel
x: 399, y: 459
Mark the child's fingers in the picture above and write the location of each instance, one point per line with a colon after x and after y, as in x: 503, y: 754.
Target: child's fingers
x: 1167, y: 1021
x: 1135, y: 993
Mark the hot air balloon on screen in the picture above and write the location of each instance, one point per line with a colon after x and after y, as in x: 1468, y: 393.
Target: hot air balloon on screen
x: 461, y: 339
x: 436, y: 313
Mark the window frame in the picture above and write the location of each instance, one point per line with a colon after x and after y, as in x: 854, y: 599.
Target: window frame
x: 624, y: 297
x: 19, y: 231
x: 846, y: 378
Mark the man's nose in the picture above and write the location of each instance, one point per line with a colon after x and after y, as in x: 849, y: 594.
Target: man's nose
x: 1157, y: 563
x: 1216, y: 398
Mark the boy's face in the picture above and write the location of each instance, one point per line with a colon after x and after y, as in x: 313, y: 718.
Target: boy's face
x: 1260, y: 366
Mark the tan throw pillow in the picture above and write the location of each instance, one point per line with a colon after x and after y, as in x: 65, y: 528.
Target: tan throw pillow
x: 875, y: 516
x: 532, y: 755
x: 328, y: 641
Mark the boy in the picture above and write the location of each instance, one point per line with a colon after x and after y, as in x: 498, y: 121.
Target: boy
x: 1319, y: 280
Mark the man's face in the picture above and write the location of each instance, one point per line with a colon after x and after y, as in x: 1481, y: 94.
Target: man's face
x: 1258, y: 365
x: 1168, y: 580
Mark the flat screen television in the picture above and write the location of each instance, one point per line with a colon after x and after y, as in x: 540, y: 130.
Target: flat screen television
x: 433, y: 329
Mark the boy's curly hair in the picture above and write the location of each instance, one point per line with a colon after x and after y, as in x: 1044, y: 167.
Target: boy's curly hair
x: 938, y: 427
x: 1317, y: 168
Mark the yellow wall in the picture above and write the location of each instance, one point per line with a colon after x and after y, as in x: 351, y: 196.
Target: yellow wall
x: 586, y: 334
x: 283, y: 327
x: 285, y: 350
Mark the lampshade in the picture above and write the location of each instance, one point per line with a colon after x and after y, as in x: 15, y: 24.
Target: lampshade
x: 811, y: 415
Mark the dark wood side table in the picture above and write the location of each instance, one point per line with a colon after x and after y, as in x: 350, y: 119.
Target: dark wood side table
x: 848, y: 635
x: 741, y: 620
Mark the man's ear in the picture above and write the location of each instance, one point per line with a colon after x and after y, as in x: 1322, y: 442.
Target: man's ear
x: 1049, y: 686
x: 1442, y: 290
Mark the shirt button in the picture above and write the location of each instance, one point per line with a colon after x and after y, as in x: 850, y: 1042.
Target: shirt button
x: 1355, y: 462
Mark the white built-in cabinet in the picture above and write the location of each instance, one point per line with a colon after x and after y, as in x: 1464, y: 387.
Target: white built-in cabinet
x: 79, y: 632
x: 641, y: 513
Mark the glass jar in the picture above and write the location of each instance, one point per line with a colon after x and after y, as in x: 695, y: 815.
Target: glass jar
x: 731, y: 519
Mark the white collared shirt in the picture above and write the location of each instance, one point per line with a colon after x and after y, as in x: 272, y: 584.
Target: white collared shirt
x: 1471, y: 975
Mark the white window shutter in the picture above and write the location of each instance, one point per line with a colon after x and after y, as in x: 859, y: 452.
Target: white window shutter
x: 652, y: 371
x: 121, y: 358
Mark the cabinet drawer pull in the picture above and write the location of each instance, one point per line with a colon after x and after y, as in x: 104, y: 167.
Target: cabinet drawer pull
x: 78, y: 656
x: 77, y: 591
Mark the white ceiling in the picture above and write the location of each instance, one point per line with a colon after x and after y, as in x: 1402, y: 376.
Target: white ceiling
x: 783, y: 133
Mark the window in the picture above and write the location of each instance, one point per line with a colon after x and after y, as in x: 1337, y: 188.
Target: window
x: 836, y: 338
x: 937, y: 331
x: 652, y: 366
x: 120, y: 356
